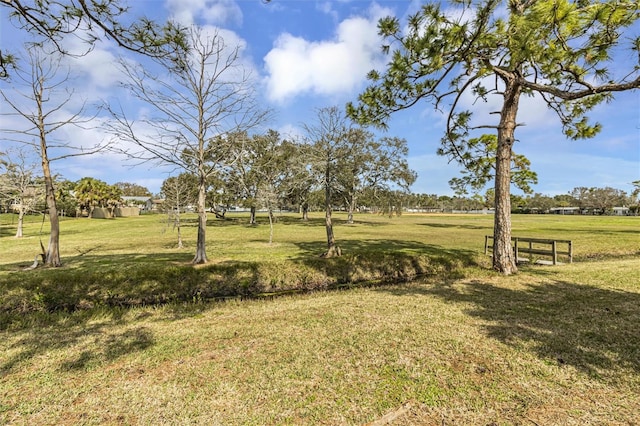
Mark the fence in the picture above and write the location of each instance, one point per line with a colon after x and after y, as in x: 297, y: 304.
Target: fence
x: 532, y: 246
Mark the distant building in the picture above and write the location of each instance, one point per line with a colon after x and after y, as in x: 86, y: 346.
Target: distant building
x: 145, y: 204
x: 565, y: 210
x: 616, y: 211
x: 621, y: 211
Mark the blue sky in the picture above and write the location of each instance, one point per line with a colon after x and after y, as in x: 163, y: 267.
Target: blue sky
x: 311, y: 54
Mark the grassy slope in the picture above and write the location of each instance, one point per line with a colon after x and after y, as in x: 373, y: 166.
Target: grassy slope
x: 551, y: 345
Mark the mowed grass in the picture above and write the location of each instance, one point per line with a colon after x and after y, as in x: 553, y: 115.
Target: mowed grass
x: 457, y: 345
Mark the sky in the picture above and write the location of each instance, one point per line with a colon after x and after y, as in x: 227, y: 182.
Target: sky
x: 305, y: 55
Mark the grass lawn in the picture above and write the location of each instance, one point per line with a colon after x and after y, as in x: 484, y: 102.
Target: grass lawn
x: 88, y: 343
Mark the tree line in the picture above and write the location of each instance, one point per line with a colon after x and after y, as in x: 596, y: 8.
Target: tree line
x: 587, y: 200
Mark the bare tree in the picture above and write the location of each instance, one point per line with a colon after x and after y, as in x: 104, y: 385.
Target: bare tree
x: 301, y: 181
x: 271, y: 169
x: 45, y: 114
x: 329, y: 143
x: 208, y: 95
x: 178, y: 192
x: 21, y: 184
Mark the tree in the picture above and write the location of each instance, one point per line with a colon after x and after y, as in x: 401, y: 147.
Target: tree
x: 635, y: 194
x: 112, y: 198
x: 88, y: 193
x: 581, y: 197
x: 564, y: 200
x: 221, y: 192
x: 600, y: 200
x: 264, y: 174
x: 328, y: 144
x: 274, y: 172
x: 560, y: 50
x: 422, y: 202
x: 490, y: 197
x: 20, y: 184
x: 65, y: 200
x: 301, y: 182
x: 540, y: 203
x: 243, y: 179
x: 53, y: 20
x: 92, y: 193
x: 179, y: 192
x: 390, y: 202
x: 129, y: 189
x: 207, y: 97
x: 48, y: 97
x: 367, y: 163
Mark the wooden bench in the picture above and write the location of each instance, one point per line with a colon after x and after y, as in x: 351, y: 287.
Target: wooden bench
x: 532, y: 246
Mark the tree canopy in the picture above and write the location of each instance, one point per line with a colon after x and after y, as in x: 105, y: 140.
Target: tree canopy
x: 130, y: 189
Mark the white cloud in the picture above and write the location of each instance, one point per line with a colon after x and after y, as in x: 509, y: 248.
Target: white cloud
x: 99, y: 68
x: 92, y: 67
x: 331, y: 67
x: 217, y: 12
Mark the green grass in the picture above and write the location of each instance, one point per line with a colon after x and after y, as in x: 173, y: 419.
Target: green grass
x: 88, y: 344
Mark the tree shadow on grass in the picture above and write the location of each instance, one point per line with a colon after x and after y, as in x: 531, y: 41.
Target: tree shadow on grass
x: 455, y: 225
x: 593, y: 329
x: 593, y: 231
x: 80, y: 306
x: 212, y: 222
x: 320, y: 221
x: 97, y: 341
x: 6, y: 232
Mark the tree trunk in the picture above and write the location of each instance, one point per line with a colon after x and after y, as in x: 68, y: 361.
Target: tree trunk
x: 180, y: 245
x: 52, y: 256
x: 177, y: 217
x: 201, y: 246
x: 20, y: 222
x: 504, y: 260
x: 332, y: 249
x: 270, y: 225
x: 252, y: 215
x: 351, y: 206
